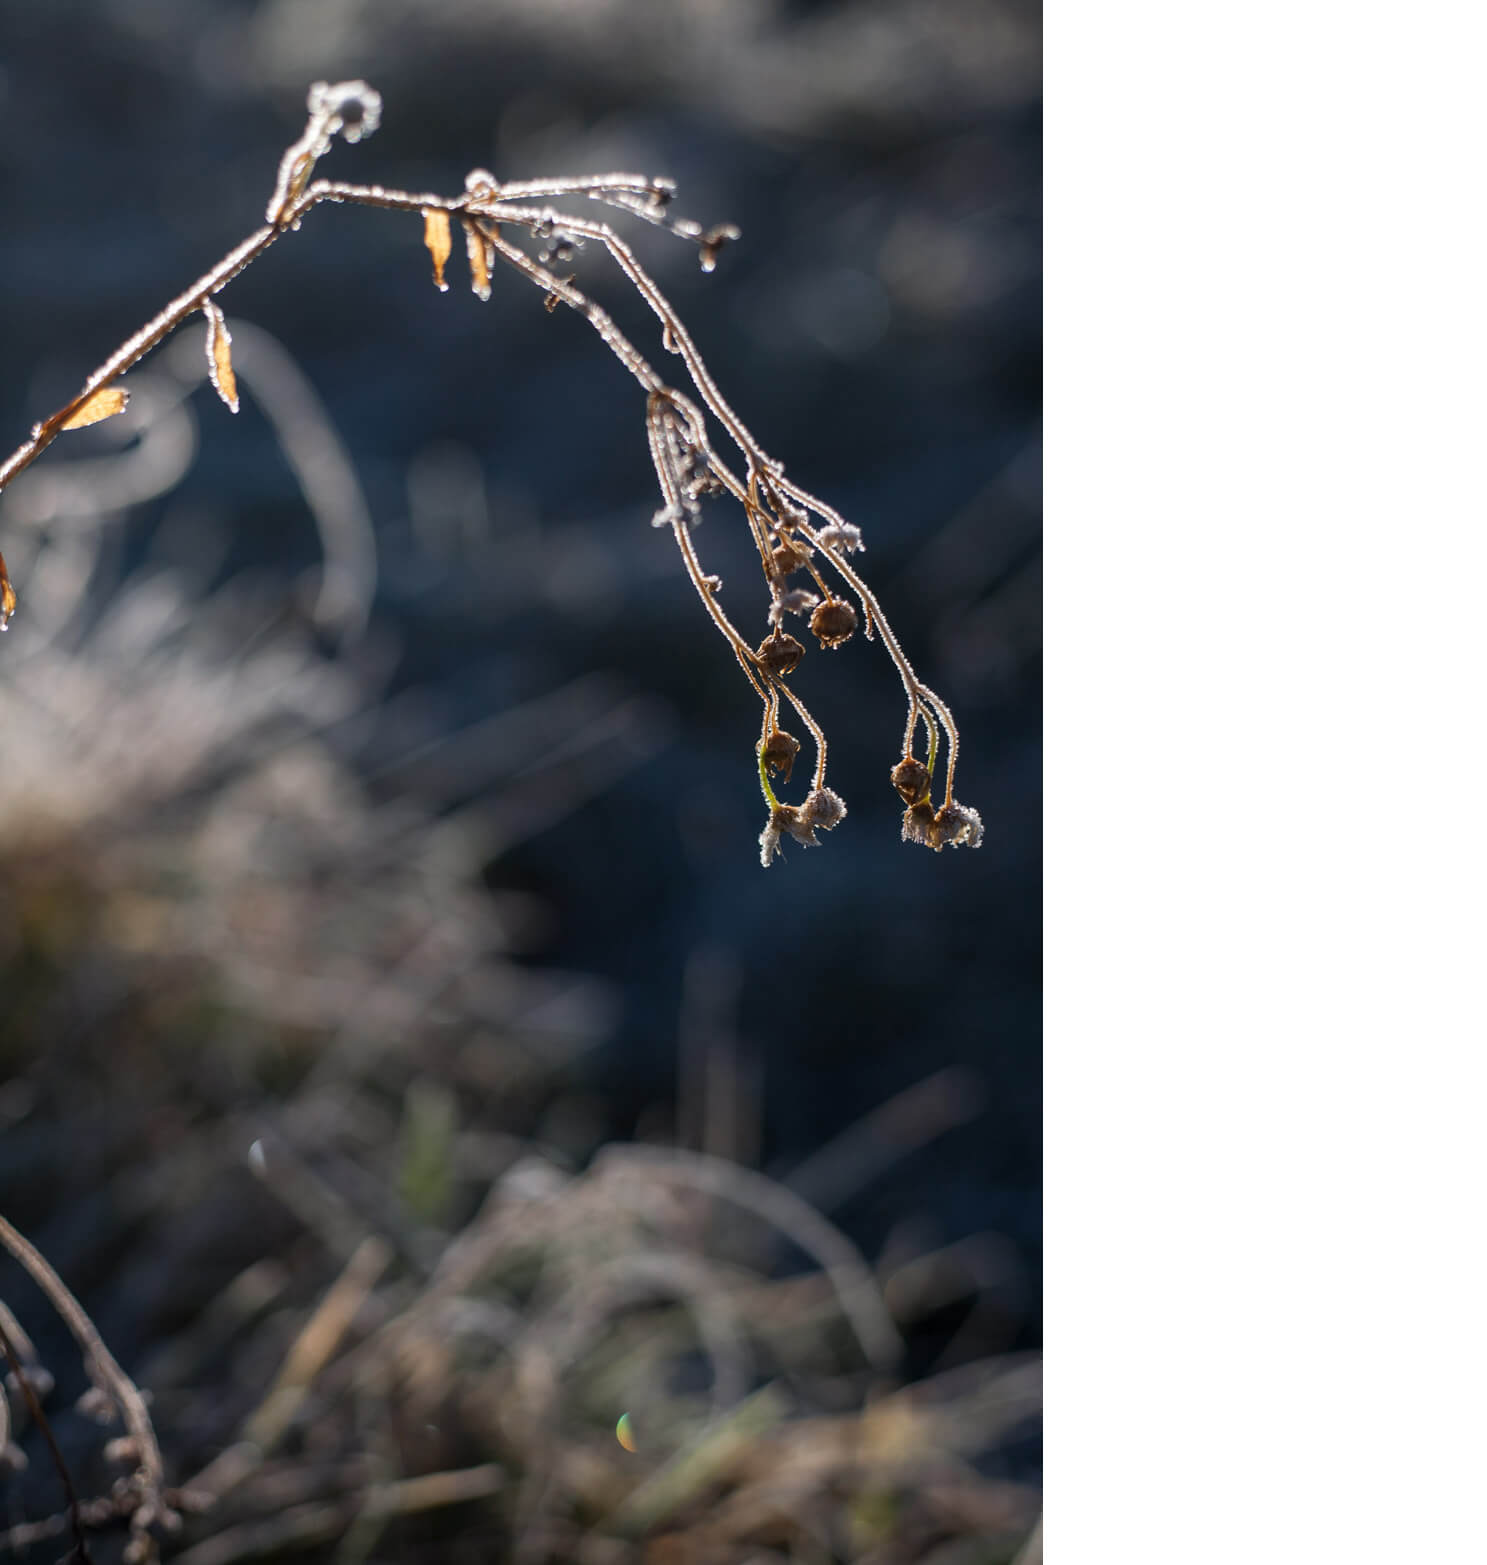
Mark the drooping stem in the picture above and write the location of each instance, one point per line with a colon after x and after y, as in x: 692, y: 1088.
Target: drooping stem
x: 914, y: 688
x: 776, y: 509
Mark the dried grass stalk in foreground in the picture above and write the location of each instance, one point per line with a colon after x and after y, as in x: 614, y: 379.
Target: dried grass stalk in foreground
x: 795, y: 533
x: 111, y: 1395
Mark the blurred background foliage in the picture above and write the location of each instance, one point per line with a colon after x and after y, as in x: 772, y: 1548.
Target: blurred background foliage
x: 423, y: 882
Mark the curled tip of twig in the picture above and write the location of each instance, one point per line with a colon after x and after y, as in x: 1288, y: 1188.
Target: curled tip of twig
x: 713, y: 241
x: 350, y: 109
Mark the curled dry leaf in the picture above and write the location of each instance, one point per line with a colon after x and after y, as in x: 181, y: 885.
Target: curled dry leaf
x: 436, y: 237
x: 7, y: 596
x: 104, y: 403
x: 219, y: 355
x: 480, y: 276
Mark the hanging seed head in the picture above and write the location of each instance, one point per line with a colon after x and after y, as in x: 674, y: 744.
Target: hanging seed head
x: 952, y: 826
x: 833, y: 622
x: 797, y: 601
x: 911, y: 778
x: 779, y: 752
x: 919, y: 823
x: 790, y: 554
x: 778, y: 653
x: 823, y: 809
x: 959, y: 825
x: 841, y: 535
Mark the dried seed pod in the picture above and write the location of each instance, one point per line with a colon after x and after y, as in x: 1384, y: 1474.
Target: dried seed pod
x: 911, y: 778
x: 824, y: 809
x: 790, y: 554
x: 959, y: 826
x: 919, y: 824
x: 796, y: 601
x: 841, y: 535
x: 833, y: 622
x: 769, y: 842
x: 953, y: 825
x: 778, y: 753
x: 778, y: 653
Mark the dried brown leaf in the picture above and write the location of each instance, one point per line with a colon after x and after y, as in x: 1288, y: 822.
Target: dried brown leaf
x: 436, y: 237
x: 7, y: 596
x: 104, y: 403
x: 219, y: 355
x: 480, y: 276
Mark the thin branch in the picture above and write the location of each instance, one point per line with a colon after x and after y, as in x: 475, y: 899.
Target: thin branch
x: 33, y: 1404
x: 776, y: 510
x: 104, y: 1372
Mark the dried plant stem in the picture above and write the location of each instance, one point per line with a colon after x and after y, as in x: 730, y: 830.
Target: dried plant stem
x: 776, y: 510
x: 917, y: 691
x: 33, y: 1404
x: 679, y: 338
x: 303, y: 1526
x: 131, y: 352
x: 105, y: 1373
x: 839, y: 1258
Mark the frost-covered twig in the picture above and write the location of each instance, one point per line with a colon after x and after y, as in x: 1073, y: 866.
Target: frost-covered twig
x: 688, y: 468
